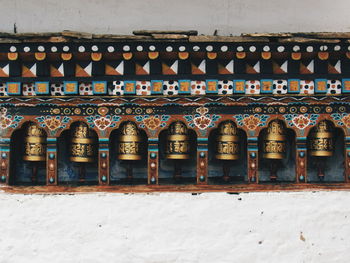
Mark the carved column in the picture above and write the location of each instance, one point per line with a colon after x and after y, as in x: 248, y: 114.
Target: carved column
x: 202, y: 160
x: 51, y: 161
x: 5, y: 160
x: 347, y: 160
x: 103, y: 161
x: 301, y: 159
x: 253, y: 160
x: 153, y: 161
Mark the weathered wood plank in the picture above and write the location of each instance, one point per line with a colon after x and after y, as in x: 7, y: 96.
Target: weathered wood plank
x: 176, y: 32
x: 226, y: 39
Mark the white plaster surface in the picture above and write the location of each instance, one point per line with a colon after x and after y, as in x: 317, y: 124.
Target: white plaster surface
x: 176, y: 227
x: 123, y: 16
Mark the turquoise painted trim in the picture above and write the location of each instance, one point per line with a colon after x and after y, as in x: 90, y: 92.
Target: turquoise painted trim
x: 103, y: 149
x: 153, y: 150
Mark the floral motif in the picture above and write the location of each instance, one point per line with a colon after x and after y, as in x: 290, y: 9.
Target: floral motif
x: 346, y: 121
x: 342, y: 119
x: 251, y: 121
x: 301, y: 121
x: 102, y: 122
x: 53, y: 123
x: 202, y: 119
x: 5, y: 122
x: 202, y: 122
x: 8, y: 121
x: 152, y: 122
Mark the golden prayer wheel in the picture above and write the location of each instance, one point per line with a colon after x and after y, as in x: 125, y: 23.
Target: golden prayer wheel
x: 129, y: 144
x: 274, y: 142
x: 83, y: 146
x: 227, y: 146
x: 178, y: 146
x: 320, y: 141
x: 35, y: 144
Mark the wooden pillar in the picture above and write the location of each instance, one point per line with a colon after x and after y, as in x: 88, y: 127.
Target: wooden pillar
x: 253, y: 160
x: 103, y: 161
x: 301, y: 159
x: 202, y: 160
x: 347, y: 159
x: 153, y: 161
x: 5, y: 160
x: 51, y: 161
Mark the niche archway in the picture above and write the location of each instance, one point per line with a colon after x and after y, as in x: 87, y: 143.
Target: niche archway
x: 277, y: 148
x: 177, y: 152
x: 77, y: 155
x: 325, y: 167
x: 128, y: 154
x: 226, y: 171
x: 28, y: 155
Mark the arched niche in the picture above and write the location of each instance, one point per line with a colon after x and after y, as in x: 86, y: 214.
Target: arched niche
x: 72, y: 171
x: 332, y: 167
x: 24, y: 170
x: 283, y: 168
x: 128, y: 170
x: 172, y: 171
x: 227, y: 171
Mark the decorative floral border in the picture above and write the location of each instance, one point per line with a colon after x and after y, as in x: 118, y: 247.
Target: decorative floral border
x: 8, y: 121
x: 53, y: 123
x: 342, y: 119
x: 251, y: 122
x: 103, y: 122
x: 202, y: 119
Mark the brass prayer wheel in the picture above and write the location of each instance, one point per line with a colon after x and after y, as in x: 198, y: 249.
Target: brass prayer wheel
x: 129, y: 143
x: 35, y: 144
x: 83, y: 145
x: 320, y: 141
x: 178, y: 146
x: 274, y: 142
x: 227, y: 146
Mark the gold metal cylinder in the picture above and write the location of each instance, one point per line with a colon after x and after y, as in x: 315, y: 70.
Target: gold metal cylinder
x: 83, y: 144
x: 320, y: 142
x: 274, y: 142
x: 35, y: 144
x: 129, y: 143
x: 177, y: 145
x: 227, y: 142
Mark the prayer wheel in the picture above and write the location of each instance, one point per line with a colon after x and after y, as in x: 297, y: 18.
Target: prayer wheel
x: 178, y: 145
x: 274, y: 142
x: 227, y: 141
x: 129, y: 143
x: 320, y: 141
x: 35, y: 144
x: 83, y: 145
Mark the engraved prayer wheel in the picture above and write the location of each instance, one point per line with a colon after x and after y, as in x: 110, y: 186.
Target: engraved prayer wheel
x: 129, y: 144
x: 83, y: 145
x: 35, y: 144
x: 320, y: 141
x: 274, y: 142
x: 227, y: 146
x: 178, y: 146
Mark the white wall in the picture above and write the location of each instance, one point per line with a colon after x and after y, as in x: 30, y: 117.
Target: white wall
x: 123, y: 16
x: 170, y: 227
